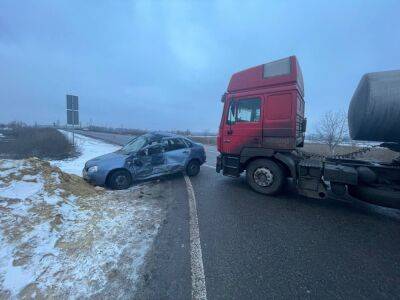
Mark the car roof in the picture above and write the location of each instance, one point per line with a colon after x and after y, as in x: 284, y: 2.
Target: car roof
x: 162, y: 134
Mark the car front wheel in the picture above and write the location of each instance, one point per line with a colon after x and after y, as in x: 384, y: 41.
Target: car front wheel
x: 119, y: 180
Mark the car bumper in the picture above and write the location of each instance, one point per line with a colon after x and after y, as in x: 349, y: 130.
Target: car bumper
x: 93, y: 178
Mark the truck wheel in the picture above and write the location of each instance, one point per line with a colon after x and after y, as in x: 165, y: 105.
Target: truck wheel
x: 265, y: 176
x: 193, y: 168
x: 119, y: 180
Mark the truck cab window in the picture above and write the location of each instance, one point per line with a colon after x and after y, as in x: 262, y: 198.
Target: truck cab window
x: 248, y: 110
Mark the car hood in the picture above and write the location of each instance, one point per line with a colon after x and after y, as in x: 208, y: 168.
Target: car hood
x: 114, y: 159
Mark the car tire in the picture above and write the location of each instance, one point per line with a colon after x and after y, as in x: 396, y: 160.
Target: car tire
x: 120, y: 180
x: 265, y: 176
x: 193, y: 168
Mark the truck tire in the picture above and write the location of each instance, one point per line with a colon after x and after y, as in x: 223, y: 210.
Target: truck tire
x: 382, y: 195
x: 119, y: 180
x: 265, y: 176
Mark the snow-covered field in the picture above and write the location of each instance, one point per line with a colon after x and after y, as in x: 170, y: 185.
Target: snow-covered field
x: 89, y: 148
x: 62, y: 238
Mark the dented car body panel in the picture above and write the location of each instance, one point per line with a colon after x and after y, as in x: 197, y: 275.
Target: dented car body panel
x: 147, y: 156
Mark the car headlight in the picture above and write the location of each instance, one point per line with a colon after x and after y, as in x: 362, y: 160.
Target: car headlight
x: 92, y: 169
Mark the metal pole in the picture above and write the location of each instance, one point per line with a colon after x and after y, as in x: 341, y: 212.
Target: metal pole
x: 73, y: 127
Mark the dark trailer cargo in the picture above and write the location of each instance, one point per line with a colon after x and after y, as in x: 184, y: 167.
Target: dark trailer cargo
x: 374, y: 111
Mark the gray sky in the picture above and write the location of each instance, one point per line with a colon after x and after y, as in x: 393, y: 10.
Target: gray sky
x: 165, y: 65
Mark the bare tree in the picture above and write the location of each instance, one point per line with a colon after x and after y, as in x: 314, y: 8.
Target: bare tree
x: 332, y: 129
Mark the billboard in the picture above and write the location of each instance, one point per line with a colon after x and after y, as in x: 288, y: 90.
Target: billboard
x: 72, y: 110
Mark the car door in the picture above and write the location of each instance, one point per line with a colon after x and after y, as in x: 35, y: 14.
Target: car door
x: 243, y: 125
x: 151, y: 161
x: 176, y: 154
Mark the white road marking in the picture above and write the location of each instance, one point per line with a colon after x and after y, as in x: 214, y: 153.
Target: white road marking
x: 209, y: 166
x: 196, y: 258
x: 213, y: 151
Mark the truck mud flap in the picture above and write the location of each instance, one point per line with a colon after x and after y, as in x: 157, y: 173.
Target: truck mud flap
x: 218, y: 166
x: 231, y: 166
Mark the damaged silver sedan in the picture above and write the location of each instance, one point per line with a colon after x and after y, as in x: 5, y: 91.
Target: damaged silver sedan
x: 144, y: 157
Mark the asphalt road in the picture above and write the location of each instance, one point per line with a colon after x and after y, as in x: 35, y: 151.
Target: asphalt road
x: 258, y: 247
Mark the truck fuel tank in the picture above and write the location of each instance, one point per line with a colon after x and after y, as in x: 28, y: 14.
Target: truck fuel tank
x: 374, y: 111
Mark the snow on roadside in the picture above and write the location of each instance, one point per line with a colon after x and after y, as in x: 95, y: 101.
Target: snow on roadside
x: 89, y: 148
x: 61, y: 238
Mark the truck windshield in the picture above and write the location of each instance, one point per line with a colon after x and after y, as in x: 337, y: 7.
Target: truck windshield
x: 136, y: 144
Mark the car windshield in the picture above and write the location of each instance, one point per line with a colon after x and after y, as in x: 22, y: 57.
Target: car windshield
x: 136, y: 144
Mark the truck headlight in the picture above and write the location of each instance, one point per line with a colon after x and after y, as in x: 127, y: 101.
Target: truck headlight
x: 92, y: 169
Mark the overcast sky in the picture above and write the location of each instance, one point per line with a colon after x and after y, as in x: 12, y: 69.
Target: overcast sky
x: 165, y: 65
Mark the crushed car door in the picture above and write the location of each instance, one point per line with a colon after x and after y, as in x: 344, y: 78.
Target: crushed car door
x: 151, y: 161
x: 176, y: 154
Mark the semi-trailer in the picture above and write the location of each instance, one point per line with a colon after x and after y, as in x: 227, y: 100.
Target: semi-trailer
x: 263, y: 126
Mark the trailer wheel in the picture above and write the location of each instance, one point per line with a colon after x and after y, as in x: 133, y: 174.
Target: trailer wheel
x: 265, y: 176
x: 378, y: 195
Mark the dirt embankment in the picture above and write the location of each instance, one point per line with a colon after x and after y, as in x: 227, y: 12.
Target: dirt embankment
x: 61, y: 237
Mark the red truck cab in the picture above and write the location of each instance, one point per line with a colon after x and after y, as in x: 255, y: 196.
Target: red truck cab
x: 263, y: 115
x: 263, y: 123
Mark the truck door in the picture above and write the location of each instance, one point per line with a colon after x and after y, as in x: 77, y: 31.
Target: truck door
x: 280, y: 121
x: 243, y: 125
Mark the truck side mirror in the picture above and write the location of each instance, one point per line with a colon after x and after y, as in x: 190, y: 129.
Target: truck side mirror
x: 223, y: 98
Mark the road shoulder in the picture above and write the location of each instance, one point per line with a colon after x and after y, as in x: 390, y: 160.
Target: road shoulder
x: 166, y: 272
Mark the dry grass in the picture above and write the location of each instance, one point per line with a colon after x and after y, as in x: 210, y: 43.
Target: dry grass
x: 124, y: 131
x: 206, y: 140
x: 378, y: 154
x: 24, y: 141
x: 70, y: 184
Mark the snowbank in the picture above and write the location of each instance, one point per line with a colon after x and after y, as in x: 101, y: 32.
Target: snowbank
x: 89, y: 148
x: 60, y: 237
